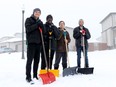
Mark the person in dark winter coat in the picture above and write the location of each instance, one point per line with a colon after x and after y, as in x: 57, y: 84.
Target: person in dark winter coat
x: 78, y: 33
x: 33, y: 38
x: 61, y: 51
x: 50, y: 35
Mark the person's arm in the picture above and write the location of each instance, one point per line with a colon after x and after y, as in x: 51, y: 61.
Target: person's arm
x: 60, y: 35
x: 56, y: 31
x: 32, y: 27
x: 76, y: 33
x: 87, y: 34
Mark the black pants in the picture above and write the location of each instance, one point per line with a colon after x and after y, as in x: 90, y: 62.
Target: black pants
x: 60, y: 55
x: 33, y: 54
x: 49, y: 58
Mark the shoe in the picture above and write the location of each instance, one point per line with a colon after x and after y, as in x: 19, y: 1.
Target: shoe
x: 35, y: 80
x: 87, y: 66
x: 29, y: 80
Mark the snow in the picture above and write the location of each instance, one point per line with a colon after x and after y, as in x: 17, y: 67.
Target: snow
x: 12, y: 71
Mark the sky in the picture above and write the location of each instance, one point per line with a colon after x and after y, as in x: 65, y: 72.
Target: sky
x: 70, y: 11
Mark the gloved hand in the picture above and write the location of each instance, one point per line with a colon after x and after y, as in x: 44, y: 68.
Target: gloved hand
x: 64, y: 32
x: 83, y: 32
x: 40, y: 23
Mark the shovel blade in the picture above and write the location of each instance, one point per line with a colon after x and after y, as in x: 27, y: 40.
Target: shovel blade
x: 85, y: 70
x: 69, y: 71
x: 55, y: 72
x: 47, y: 78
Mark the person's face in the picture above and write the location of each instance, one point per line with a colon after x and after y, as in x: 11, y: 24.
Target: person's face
x: 37, y: 14
x: 62, y: 25
x: 81, y: 22
x: 49, y: 20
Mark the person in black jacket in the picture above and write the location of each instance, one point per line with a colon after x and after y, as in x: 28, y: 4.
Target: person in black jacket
x: 78, y: 33
x: 33, y: 38
x: 50, y: 36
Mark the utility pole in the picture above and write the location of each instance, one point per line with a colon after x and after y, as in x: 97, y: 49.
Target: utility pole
x: 23, y: 11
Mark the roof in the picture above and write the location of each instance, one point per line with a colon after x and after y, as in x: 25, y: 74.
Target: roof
x: 68, y: 27
x: 112, y: 13
x: 13, y: 40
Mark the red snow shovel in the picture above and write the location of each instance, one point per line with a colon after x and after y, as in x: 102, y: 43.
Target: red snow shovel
x: 48, y: 77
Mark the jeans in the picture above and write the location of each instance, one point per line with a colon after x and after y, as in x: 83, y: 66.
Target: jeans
x: 79, y: 49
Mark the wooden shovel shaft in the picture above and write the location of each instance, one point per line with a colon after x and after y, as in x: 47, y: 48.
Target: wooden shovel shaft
x: 84, y: 50
x: 67, y: 51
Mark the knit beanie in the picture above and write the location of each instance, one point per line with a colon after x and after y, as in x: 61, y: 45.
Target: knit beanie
x: 49, y: 16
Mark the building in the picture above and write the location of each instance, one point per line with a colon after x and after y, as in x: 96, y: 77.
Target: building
x: 14, y: 42
x: 72, y: 43
x: 109, y: 30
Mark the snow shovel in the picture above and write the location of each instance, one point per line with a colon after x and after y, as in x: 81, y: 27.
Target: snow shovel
x: 70, y: 70
x: 55, y: 72
x: 48, y: 77
x: 85, y: 70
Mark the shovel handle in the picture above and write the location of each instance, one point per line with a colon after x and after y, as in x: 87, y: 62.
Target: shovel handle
x: 84, y: 50
x: 67, y: 50
x: 44, y: 49
x: 40, y: 30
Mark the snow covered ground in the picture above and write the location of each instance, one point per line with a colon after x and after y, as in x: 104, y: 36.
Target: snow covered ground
x: 12, y: 71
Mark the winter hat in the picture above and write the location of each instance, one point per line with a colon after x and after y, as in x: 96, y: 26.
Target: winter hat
x: 36, y: 9
x: 49, y: 16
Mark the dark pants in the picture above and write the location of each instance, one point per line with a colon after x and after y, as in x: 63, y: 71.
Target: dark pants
x: 60, y: 55
x: 79, y: 49
x: 49, y: 58
x: 33, y: 54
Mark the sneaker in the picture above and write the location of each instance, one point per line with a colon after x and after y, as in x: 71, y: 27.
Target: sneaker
x: 35, y: 80
x: 29, y: 80
x: 36, y: 77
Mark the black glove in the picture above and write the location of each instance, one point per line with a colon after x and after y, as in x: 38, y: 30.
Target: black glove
x: 40, y: 23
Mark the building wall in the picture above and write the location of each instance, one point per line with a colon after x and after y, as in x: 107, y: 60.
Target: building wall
x: 104, y: 37
x: 107, y: 23
x: 91, y: 47
x: 110, y: 38
x: 102, y: 46
x: 114, y: 20
x: 16, y: 46
x: 108, y: 33
x: 3, y: 45
x: 72, y: 43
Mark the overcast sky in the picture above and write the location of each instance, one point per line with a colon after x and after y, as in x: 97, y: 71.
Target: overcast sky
x: 92, y: 11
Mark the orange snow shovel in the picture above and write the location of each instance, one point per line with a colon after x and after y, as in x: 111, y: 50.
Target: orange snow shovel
x: 47, y: 77
x: 55, y: 72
